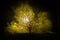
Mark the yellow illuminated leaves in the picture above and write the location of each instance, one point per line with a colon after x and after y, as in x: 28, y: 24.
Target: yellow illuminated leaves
x: 24, y: 16
x: 16, y: 28
x: 42, y: 23
x: 23, y: 12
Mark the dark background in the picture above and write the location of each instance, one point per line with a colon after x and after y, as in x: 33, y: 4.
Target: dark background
x: 7, y: 16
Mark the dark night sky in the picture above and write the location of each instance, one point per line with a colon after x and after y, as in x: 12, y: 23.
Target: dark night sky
x: 6, y: 11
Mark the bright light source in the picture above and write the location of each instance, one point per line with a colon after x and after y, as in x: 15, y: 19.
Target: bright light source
x: 25, y: 19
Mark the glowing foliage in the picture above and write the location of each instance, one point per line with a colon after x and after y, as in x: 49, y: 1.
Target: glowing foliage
x: 24, y: 14
x: 41, y: 24
x: 17, y: 28
x: 25, y: 17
